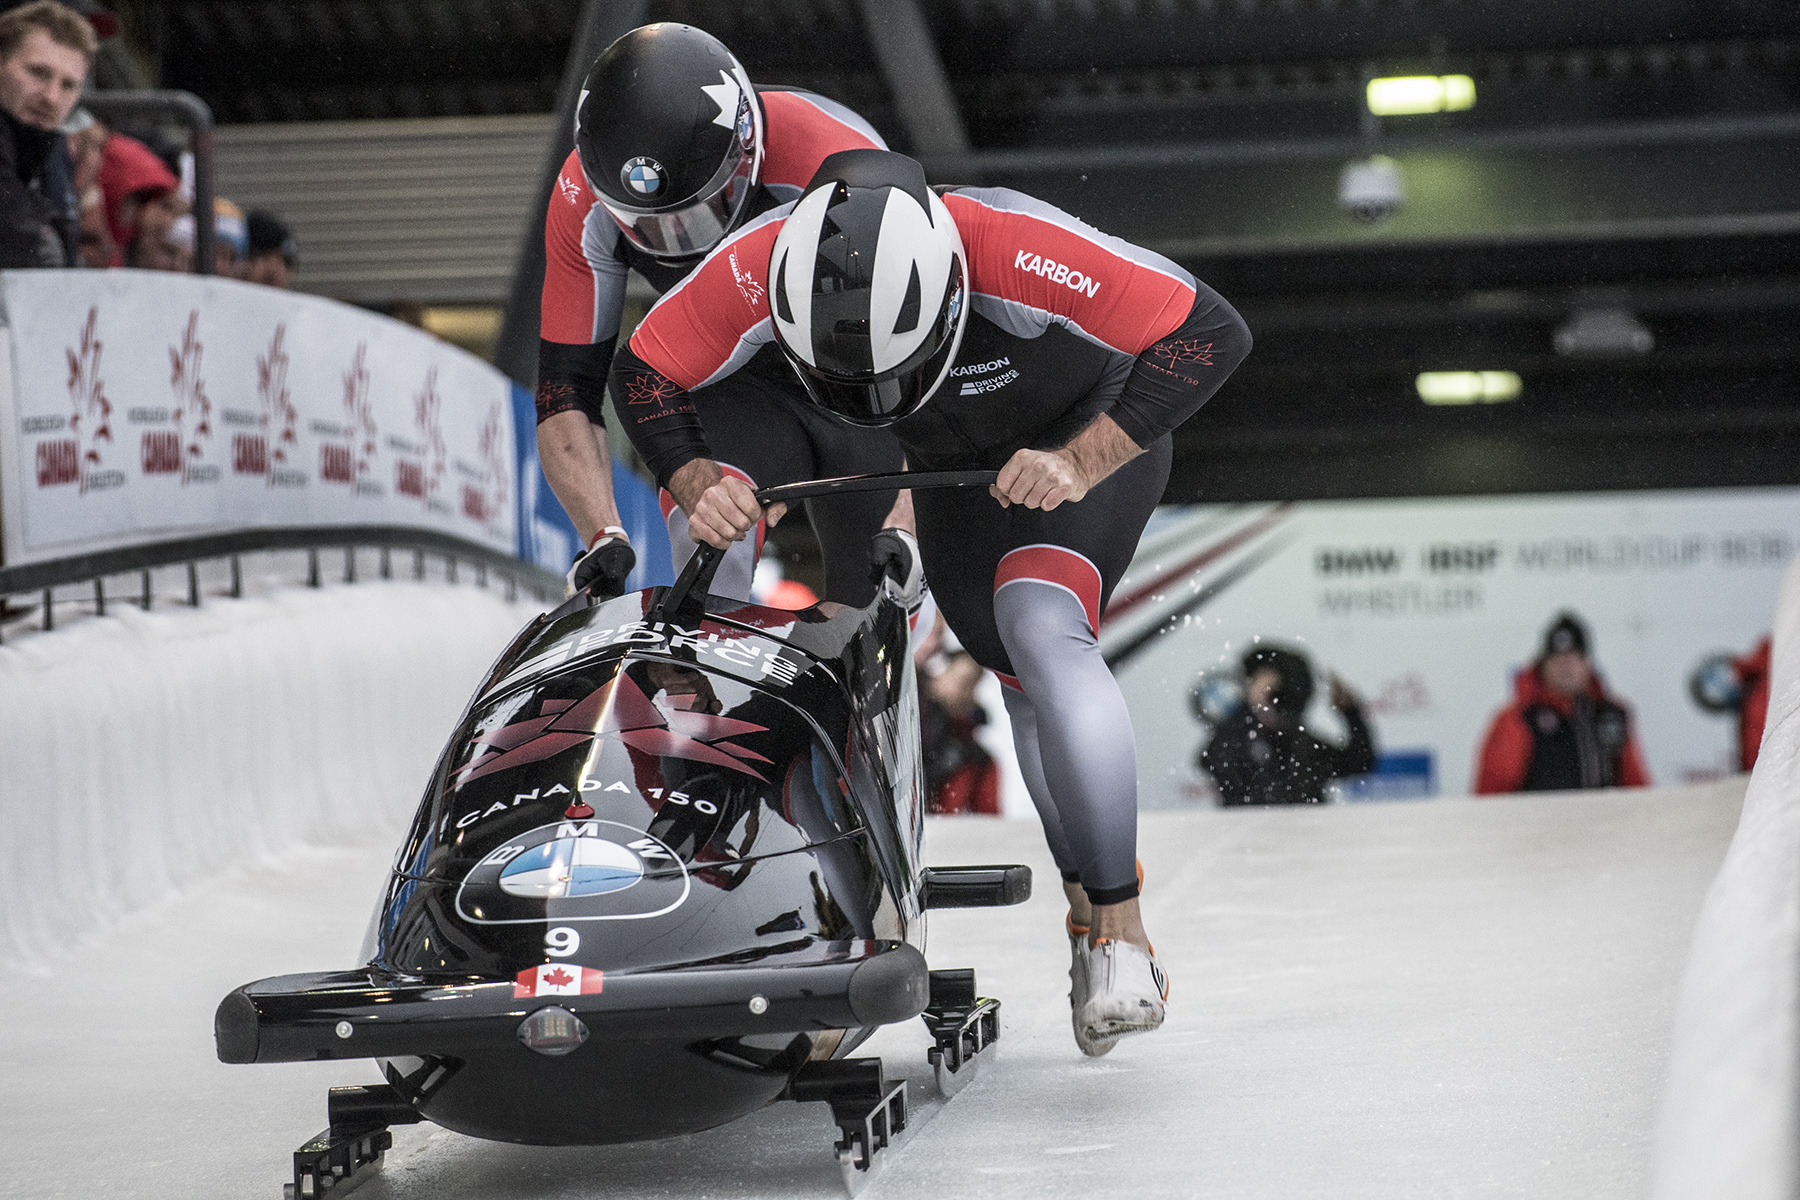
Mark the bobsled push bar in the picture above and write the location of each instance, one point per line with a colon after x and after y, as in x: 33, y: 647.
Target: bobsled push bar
x: 975, y: 887
x: 696, y: 578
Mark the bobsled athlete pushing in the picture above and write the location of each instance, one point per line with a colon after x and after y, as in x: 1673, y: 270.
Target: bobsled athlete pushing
x: 983, y: 329
x: 665, y: 873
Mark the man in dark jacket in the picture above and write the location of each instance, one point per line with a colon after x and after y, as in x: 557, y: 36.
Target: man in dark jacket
x: 1262, y: 752
x: 1563, y: 730
x: 45, y: 51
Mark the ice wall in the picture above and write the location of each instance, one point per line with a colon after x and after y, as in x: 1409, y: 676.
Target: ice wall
x: 147, y: 751
x: 1730, y: 1108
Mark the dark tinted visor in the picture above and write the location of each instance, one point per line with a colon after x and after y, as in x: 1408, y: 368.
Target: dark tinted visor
x: 881, y: 401
x: 699, y: 224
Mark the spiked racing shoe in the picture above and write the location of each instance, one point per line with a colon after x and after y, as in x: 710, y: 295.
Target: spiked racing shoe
x: 1080, y: 992
x: 1126, y: 993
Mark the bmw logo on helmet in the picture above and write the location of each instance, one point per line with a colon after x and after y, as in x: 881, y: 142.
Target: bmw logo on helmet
x: 642, y: 176
x: 746, y: 126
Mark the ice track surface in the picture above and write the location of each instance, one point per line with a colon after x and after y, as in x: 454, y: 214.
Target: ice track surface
x: 1457, y: 998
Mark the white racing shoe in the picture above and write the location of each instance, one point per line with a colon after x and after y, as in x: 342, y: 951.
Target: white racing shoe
x: 1080, y: 992
x: 1119, y: 989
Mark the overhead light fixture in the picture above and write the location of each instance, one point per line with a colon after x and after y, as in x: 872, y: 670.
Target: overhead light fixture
x: 1468, y: 387
x: 1604, y: 333
x: 1407, y: 95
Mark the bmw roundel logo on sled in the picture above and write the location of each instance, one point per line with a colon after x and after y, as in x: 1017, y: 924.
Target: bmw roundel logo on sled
x: 575, y: 870
x: 643, y: 176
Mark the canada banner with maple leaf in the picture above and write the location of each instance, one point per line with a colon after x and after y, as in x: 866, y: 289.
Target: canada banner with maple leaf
x: 141, y: 406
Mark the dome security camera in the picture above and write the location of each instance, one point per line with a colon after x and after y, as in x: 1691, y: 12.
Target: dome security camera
x: 1371, y: 189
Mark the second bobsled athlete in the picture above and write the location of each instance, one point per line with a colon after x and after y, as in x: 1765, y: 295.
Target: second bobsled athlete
x: 674, y: 148
x: 988, y: 330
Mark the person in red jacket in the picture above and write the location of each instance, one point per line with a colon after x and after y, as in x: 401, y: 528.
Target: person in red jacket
x: 1563, y: 730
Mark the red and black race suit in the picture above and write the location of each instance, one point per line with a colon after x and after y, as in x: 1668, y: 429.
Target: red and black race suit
x: 586, y: 260
x: 1066, y: 323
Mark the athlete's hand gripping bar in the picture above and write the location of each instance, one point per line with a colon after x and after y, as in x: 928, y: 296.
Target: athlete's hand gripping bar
x: 696, y: 578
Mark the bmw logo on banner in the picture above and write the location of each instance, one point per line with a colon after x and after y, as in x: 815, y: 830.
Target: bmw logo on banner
x: 574, y: 870
x: 642, y: 176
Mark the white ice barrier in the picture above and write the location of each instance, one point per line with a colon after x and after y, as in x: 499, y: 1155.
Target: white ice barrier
x: 1731, y: 1115
x: 146, y: 751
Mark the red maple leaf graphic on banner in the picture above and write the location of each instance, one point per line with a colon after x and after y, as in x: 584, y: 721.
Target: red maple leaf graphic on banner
x: 558, y: 978
x: 428, y: 411
x: 359, y: 408
x: 1180, y: 352
x: 650, y: 389
x: 193, y: 408
x: 620, y: 709
x: 277, y: 401
x: 88, y: 393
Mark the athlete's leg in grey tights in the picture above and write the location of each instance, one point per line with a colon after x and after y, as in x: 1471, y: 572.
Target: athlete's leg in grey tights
x: 1025, y: 742
x: 1073, y: 736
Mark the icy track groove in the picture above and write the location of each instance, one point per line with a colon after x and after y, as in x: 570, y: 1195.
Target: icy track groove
x: 148, y: 751
x: 1450, y: 999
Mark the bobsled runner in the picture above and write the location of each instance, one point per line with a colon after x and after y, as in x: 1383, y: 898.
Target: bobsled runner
x: 665, y: 872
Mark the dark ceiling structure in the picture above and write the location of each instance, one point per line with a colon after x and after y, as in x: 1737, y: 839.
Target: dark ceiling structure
x: 1615, y: 220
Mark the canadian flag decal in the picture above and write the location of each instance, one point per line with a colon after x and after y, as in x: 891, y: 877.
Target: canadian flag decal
x: 556, y: 979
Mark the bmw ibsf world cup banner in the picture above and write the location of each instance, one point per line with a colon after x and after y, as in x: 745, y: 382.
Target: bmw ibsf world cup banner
x: 1428, y: 608
x: 141, y: 405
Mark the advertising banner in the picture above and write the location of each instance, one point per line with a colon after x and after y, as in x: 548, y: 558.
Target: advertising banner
x: 1429, y: 608
x: 143, y: 405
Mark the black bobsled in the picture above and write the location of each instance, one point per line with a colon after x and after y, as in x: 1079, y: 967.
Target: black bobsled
x: 666, y: 871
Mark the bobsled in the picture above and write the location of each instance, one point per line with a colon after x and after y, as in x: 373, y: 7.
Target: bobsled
x: 665, y: 872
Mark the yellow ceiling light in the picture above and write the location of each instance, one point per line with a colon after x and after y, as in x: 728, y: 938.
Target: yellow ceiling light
x: 1468, y: 387
x: 1405, y: 95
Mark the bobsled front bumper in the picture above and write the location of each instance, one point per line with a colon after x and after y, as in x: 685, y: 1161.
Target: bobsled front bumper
x: 371, y: 1014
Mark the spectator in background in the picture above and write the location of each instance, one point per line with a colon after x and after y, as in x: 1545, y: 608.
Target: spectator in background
x: 272, y: 250
x: 45, y: 52
x: 1563, y: 730
x: 142, y: 198
x: 87, y: 140
x: 960, y: 776
x: 1753, y: 706
x: 1262, y: 752
x: 231, y: 241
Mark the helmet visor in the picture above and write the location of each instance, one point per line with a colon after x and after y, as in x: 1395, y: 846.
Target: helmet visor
x: 700, y: 223
x: 885, y: 399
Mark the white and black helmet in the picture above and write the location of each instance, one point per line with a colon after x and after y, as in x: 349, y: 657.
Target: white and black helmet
x: 670, y: 135
x: 869, y: 287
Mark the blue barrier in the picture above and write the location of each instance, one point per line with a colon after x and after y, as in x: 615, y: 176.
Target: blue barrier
x: 546, y: 535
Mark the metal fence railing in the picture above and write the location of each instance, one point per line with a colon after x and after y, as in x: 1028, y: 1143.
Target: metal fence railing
x: 98, y: 566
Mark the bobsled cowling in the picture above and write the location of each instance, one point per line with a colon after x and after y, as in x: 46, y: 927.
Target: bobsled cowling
x: 665, y: 797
